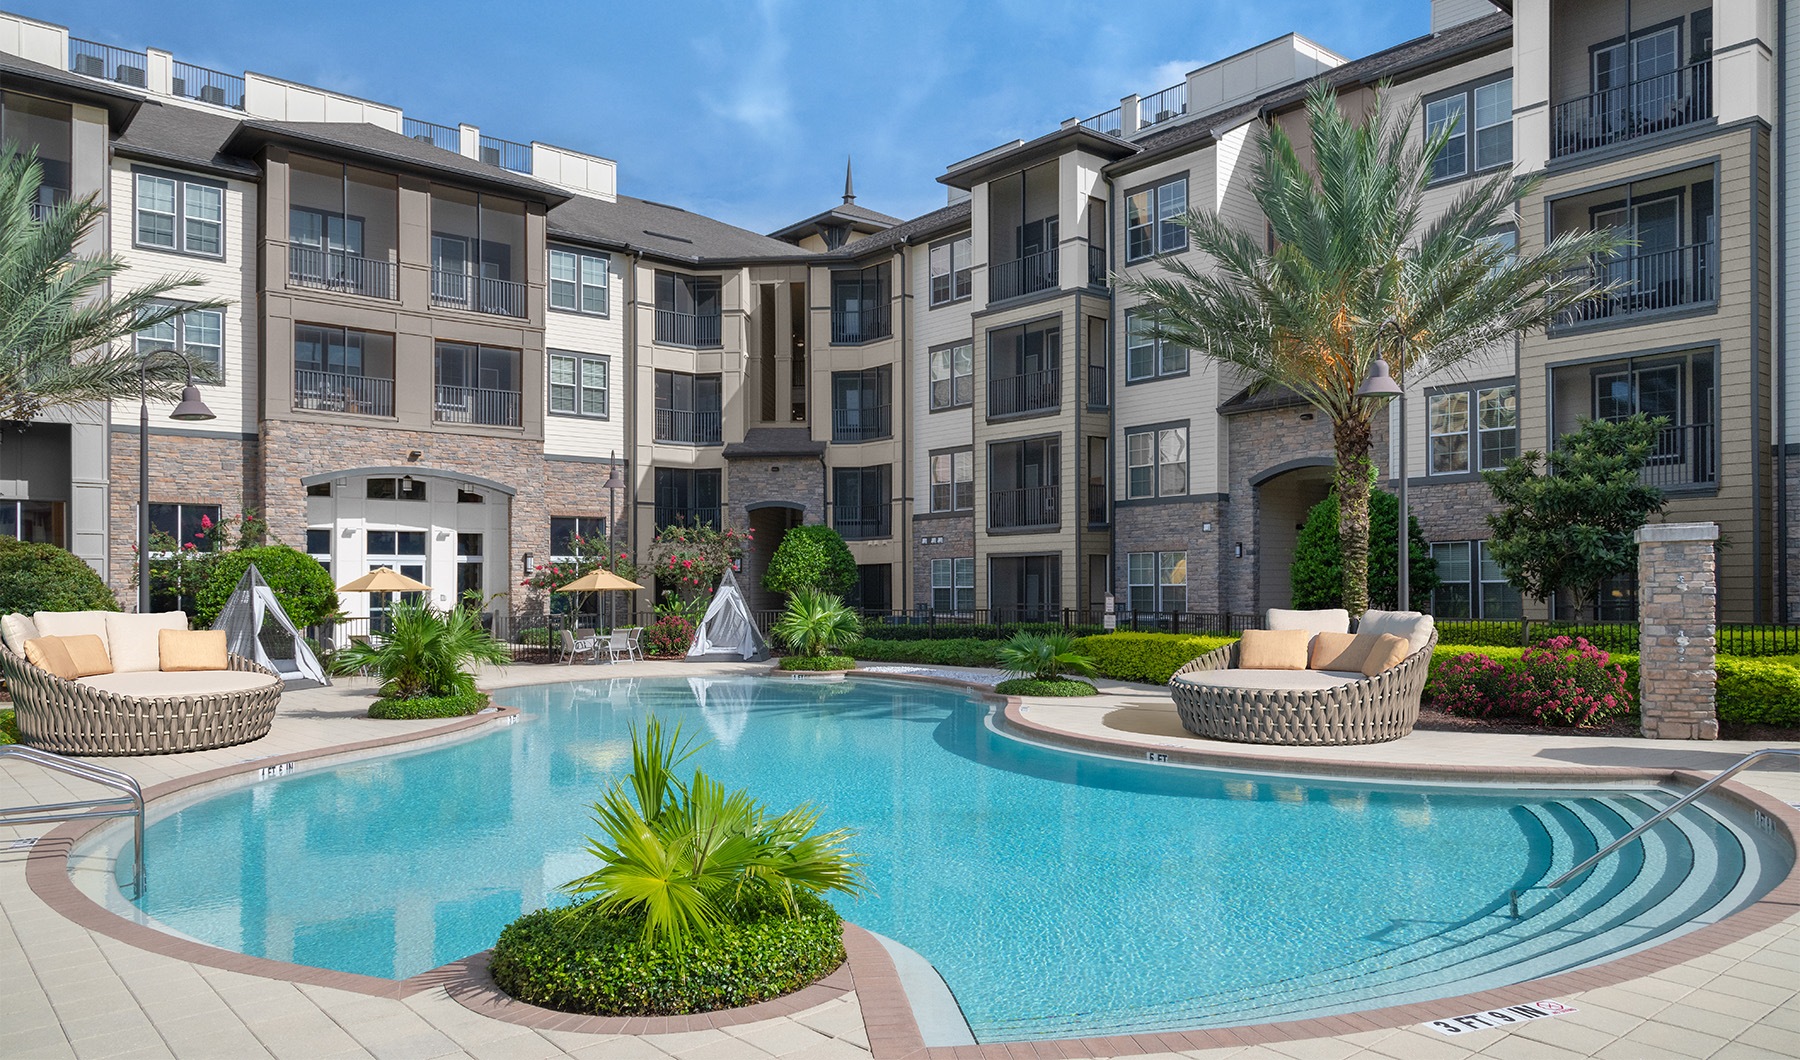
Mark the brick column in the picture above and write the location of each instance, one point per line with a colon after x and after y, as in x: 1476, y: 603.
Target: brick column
x: 1678, y: 615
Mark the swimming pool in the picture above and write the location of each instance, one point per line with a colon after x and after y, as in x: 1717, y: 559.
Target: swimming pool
x: 1057, y: 894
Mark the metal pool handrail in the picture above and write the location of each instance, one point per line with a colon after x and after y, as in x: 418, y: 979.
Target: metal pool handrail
x: 1657, y: 819
x: 130, y: 804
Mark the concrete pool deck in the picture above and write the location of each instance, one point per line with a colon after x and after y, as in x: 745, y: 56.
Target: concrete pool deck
x: 73, y: 991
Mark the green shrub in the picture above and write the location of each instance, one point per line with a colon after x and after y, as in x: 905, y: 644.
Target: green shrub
x: 899, y: 627
x: 1030, y: 686
x: 424, y: 653
x: 1151, y: 658
x: 577, y: 960
x: 669, y: 637
x: 1762, y: 691
x: 9, y: 727
x: 1317, y: 574
x: 451, y: 706
x: 965, y: 652
x: 811, y: 557
x: 39, y: 577
x: 535, y: 637
x: 302, y: 585
x: 818, y: 662
x: 815, y: 623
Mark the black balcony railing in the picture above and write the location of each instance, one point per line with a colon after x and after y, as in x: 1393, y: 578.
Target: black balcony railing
x: 861, y: 425
x: 687, y: 428
x: 1097, y: 504
x: 362, y: 395
x: 1107, y: 121
x: 1096, y: 388
x: 1096, y: 266
x: 865, y: 323
x: 1022, y: 276
x: 208, y: 86
x: 671, y: 516
x: 451, y: 289
x: 1011, y: 395
x: 687, y: 329
x: 1032, y: 506
x: 1644, y: 282
x: 1686, y: 456
x: 443, y: 136
x: 469, y: 404
x: 1655, y: 104
x: 335, y: 270
x: 861, y: 521
x: 1167, y: 105
x: 93, y: 59
x: 506, y: 154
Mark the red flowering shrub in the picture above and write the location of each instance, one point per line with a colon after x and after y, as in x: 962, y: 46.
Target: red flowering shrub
x: 1557, y: 682
x: 1474, y: 685
x: 668, y: 636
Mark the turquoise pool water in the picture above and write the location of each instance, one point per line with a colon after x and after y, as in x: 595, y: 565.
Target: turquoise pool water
x: 1057, y: 894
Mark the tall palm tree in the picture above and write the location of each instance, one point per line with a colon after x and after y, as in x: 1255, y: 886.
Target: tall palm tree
x: 1353, y: 252
x: 62, y: 334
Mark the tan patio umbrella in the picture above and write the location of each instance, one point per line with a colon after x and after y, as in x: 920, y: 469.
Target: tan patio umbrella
x: 598, y: 581
x: 384, y: 580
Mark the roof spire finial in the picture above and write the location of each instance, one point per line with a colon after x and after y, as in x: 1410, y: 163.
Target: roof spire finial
x: 849, y: 188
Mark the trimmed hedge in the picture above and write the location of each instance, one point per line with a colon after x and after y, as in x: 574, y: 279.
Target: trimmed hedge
x: 1028, y: 686
x: 1762, y: 691
x: 573, y: 960
x: 302, y: 584
x: 427, y: 707
x: 879, y: 628
x: 817, y: 662
x: 964, y: 652
x: 1151, y: 658
x: 9, y: 727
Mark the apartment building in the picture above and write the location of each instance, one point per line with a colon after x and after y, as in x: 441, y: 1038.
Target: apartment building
x: 449, y: 352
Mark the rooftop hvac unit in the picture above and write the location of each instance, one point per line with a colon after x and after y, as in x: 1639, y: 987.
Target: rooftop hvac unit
x: 130, y: 75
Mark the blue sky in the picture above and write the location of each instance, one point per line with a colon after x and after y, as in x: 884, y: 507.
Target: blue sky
x: 744, y: 111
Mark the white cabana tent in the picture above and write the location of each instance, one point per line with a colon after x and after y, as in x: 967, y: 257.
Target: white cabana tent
x: 257, y: 628
x: 727, y: 629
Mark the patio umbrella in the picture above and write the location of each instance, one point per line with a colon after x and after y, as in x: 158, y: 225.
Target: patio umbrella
x: 384, y: 580
x: 598, y: 581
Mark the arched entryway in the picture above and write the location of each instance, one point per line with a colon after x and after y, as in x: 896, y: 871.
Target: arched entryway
x: 769, y: 523
x: 1284, y: 496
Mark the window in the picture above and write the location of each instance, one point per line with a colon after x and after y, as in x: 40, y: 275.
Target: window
x: 318, y: 545
x: 181, y: 215
x: 859, y: 305
x: 477, y: 385
x: 953, y: 585
x: 861, y: 500
x: 1480, y: 122
x: 1491, y: 434
x: 1156, y: 581
x: 1153, y: 220
x: 1156, y: 462
x: 687, y: 310
x: 1147, y: 357
x: 953, y: 481
x: 34, y: 521
x: 1025, y: 369
x: 566, y: 529
x: 861, y: 404
x: 687, y: 497
x: 578, y: 281
x: 186, y: 524
x: 319, y: 489
x: 873, y: 590
x: 953, y: 376
x: 396, y: 543
x: 404, y: 488
x: 1470, y: 584
x: 578, y: 384
x: 199, y: 333
x: 950, y: 277
x: 1024, y: 484
x: 687, y: 408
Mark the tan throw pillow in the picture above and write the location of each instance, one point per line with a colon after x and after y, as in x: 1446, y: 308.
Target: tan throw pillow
x: 1273, y: 649
x: 199, y: 649
x: 1387, y: 652
x: 88, y: 654
x: 1343, y: 652
x: 48, y: 653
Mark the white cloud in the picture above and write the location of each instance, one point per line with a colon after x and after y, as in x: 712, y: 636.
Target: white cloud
x: 760, y: 99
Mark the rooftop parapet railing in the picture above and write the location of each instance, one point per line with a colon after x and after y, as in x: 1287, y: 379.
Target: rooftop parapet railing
x: 93, y: 59
x: 1110, y: 122
x: 506, y: 154
x: 442, y: 136
x: 208, y: 86
x: 1167, y: 105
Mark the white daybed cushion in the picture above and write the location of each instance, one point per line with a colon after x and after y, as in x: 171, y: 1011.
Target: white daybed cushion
x: 1326, y: 620
x: 1270, y: 680
x: 73, y: 624
x: 16, y: 630
x: 179, y: 683
x: 1412, y: 625
x: 132, y: 639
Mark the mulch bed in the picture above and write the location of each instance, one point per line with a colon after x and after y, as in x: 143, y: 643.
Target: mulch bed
x: 1437, y: 721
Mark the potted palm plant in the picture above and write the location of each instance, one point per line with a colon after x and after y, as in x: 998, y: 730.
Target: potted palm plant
x: 814, y: 627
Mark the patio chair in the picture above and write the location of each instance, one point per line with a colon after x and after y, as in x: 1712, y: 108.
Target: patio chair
x: 618, y: 643
x: 634, y: 637
x: 573, y: 649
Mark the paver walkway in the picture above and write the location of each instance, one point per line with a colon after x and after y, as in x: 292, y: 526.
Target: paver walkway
x: 71, y: 992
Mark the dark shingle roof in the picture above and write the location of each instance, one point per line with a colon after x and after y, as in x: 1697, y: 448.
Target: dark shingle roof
x: 1259, y: 398
x: 669, y: 232
x: 392, y: 148
x: 184, y: 136
x: 119, y: 103
x: 775, y: 441
x: 955, y: 215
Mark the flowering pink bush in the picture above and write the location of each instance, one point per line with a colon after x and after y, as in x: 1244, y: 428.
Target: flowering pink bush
x: 668, y: 636
x: 1558, y: 682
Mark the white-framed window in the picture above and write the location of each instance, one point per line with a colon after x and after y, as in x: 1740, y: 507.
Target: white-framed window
x: 1156, y: 462
x: 950, y: 276
x: 565, y: 530
x: 953, y: 481
x: 186, y: 523
x: 953, y: 585
x: 1156, y: 581
x: 953, y: 376
x: 1480, y: 120
x: 1470, y: 583
x: 1472, y: 430
x: 186, y: 216
x: 1153, y: 219
x: 199, y: 333
x: 1493, y: 124
x: 578, y: 384
x: 579, y: 281
x: 318, y: 545
x: 1146, y: 356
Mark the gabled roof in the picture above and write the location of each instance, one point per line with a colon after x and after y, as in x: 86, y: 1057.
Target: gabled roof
x: 922, y: 227
x: 1018, y: 156
x: 1255, y: 399
x: 184, y: 136
x: 668, y: 232
x: 391, y: 149
x: 36, y: 78
x: 850, y: 215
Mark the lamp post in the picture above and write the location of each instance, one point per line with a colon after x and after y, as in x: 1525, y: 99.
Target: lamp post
x: 1381, y: 383
x: 191, y: 410
x: 614, y: 483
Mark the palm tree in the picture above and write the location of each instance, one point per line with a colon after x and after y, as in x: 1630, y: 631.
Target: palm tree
x: 1356, y: 260
x: 1043, y: 657
x: 816, y: 622
x: 424, y: 652
x: 62, y: 335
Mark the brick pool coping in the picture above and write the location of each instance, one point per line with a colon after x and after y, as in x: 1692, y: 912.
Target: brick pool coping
x: 868, y: 970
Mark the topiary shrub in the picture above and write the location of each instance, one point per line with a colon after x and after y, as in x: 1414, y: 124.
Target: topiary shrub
x: 1031, y: 686
x: 451, y: 706
x: 40, y: 577
x: 1317, y: 568
x: 967, y: 652
x: 811, y: 557
x: 668, y: 637
x: 817, y: 662
x: 299, y: 581
x: 1759, y: 691
x: 1151, y: 658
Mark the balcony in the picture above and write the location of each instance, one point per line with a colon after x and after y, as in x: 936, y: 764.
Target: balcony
x: 673, y: 516
x: 688, y: 329
x: 336, y: 270
x: 459, y: 290
x: 1648, y: 282
x: 861, y: 425
x: 1097, y: 267
x: 1097, y: 504
x: 1641, y: 108
x: 1686, y: 457
x: 475, y: 405
x: 865, y: 324
x: 860, y: 522
x: 1167, y: 105
x: 93, y: 59
x: 1022, y: 276
x: 1014, y: 395
x: 1096, y: 388
x: 1033, y: 506
x: 207, y: 86
x: 688, y: 428
x: 361, y: 395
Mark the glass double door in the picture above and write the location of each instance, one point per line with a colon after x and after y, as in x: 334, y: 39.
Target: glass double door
x: 402, y: 551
